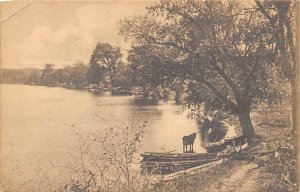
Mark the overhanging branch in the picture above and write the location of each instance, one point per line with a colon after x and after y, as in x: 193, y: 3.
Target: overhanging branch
x: 218, y: 94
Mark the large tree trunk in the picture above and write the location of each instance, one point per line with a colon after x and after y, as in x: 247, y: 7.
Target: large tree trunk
x: 246, y: 123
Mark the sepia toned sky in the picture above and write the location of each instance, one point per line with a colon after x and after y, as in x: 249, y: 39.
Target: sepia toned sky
x: 61, y: 32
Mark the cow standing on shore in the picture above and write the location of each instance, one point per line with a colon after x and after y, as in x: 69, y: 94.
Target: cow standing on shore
x: 189, y: 141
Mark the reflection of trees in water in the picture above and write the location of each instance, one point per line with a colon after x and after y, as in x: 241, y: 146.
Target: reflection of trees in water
x: 144, y: 111
x: 146, y: 101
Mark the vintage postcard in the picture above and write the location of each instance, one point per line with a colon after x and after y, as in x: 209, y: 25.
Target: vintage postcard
x: 142, y: 95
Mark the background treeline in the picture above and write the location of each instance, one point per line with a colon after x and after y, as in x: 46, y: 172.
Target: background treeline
x: 19, y: 76
x: 75, y: 76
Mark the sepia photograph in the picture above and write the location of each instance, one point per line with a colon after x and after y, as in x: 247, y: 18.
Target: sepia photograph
x: 149, y: 96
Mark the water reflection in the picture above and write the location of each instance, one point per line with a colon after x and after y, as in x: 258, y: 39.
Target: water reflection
x: 38, y: 125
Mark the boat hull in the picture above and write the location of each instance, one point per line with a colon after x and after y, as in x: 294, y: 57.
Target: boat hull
x: 165, y: 163
x: 165, y: 157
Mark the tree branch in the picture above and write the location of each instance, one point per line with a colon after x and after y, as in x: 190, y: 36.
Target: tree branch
x: 216, y: 92
x: 262, y: 9
x: 229, y: 82
x: 245, y: 94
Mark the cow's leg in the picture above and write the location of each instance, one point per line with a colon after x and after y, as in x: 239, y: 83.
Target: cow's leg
x: 183, y: 148
x: 234, y: 145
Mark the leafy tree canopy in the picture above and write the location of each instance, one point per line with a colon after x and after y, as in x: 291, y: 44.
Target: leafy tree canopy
x: 220, y: 50
x: 104, y: 60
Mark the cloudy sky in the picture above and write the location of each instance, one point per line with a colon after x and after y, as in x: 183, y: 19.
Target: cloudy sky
x: 61, y: 32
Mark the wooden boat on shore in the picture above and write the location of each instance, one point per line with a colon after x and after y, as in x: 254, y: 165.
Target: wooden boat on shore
x: 165, y: 157
x: 156, y: 167
x: 166, y: 163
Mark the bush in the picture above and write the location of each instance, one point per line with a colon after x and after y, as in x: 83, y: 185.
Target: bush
x: 280, y: 169
x: 112, y: 168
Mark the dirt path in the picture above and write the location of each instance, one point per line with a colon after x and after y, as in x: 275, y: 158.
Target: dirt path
x: 243, y: 179
x: 240, y: 177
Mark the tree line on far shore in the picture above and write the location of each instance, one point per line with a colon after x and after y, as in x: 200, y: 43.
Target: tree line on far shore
x: 105, y: 68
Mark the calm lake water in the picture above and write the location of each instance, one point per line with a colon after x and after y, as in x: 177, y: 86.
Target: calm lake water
x: 38, y: 126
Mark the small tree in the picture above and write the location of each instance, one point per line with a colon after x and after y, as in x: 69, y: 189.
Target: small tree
x: 104, y: 60
x: 47, y: 75
x: 123, y: 77
x: 151, y: 71
x: 78, y: 75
